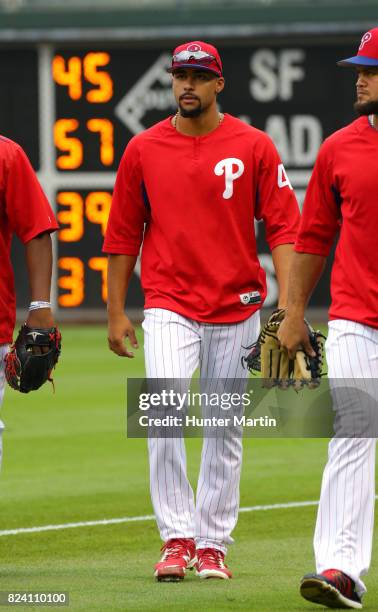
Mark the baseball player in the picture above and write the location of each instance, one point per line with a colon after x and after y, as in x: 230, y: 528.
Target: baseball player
x: 190, y: 187
x: 341, y: 197
x: 24, y: 211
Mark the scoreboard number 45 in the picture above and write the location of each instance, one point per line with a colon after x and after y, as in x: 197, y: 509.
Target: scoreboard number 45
x: 83, y: 78
x: 74, y: 70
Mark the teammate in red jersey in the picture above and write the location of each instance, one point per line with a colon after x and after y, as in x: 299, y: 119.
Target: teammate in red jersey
x: 191, y: 187
x: 342, y: 197
x: 24, y: 211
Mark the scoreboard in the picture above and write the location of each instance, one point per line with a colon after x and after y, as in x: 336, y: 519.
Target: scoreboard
x: 74, y: 108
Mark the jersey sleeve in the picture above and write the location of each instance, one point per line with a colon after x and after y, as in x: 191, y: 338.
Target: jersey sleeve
x: 28, y: 210
x: 276, y: 203
x: 129, y: 209
x: 321, y: 213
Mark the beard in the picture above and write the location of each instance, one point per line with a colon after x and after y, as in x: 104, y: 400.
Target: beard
x: 192, y: 113
x: 366, y: 108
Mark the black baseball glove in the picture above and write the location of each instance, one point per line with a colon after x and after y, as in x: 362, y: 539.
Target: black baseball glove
x: 268, y: 357
x: 32, y: 358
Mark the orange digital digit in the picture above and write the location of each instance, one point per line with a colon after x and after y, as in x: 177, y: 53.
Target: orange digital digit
x: 105, y: 129
x: 72, y: 146
x: 73, y: 282
x: 72, y: 216
x: 97, y: 208
x: 101, y: 78
x: 101, y: 265
x: 68, y: 74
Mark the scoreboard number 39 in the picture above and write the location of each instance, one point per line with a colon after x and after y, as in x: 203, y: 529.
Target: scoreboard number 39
x: 82, y: 218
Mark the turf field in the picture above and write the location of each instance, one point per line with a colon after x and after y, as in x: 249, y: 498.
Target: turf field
x: 67, y: 460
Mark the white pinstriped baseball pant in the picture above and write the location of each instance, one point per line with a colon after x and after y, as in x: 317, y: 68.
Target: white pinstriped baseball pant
x: 174, y: 347
x: 344, y: 527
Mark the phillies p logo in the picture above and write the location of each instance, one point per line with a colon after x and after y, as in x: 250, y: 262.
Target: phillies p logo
x: 366, y: 37
x: 232, y: 168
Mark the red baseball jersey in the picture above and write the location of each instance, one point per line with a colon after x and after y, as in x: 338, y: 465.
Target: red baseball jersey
x: 25, y: 211
x: 193, y: 202
x: 342, y: 197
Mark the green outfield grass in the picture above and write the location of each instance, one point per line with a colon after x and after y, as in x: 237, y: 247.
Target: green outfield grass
x: 67, y: 459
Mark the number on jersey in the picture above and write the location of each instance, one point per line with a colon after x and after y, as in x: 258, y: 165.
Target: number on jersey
x: 283, y: 179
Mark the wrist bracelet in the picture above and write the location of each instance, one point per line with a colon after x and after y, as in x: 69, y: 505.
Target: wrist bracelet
x: 39, y: 304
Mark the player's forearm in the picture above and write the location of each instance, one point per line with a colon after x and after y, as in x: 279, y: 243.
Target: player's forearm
x: 120, y: 269
x: 305, y: 272
x: 38, y: 255
x: 282, y: 258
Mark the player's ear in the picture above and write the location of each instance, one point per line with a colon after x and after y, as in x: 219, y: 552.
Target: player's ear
x: 219, y: 85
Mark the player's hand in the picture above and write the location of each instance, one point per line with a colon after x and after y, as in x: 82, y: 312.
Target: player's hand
x: 120, y: 328
x: 41, y: 318
x: 293, y: 335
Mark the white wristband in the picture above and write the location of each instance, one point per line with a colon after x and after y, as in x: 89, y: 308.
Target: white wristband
x: 39, y: 304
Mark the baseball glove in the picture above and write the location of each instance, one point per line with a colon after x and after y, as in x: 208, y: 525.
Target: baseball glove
x: 268, y: 357
x: 32, y: 357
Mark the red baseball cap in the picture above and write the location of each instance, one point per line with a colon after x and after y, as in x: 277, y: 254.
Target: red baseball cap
x: 197, y: 54
x: 367, y: 54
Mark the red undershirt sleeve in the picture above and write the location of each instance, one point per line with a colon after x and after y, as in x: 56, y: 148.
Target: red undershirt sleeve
x: 28, y: 210
x: 321, y: 213
x: 128, y: 212
x: 276, y: 203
